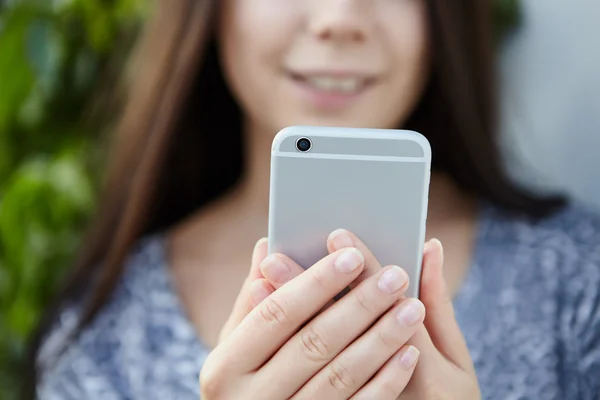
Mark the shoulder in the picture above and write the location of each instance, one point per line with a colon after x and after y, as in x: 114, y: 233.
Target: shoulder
x: 531, y: 305
x: 570, y: 237
x: 139, y: 325
x: 569, y: 254
x: 573, y: 237
x: 557, y: 256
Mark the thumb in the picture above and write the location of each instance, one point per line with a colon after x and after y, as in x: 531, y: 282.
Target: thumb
x: 254, y: 286
x: 440, y: 321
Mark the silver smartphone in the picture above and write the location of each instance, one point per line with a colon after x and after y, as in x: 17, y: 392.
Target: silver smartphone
x: 373, y: 182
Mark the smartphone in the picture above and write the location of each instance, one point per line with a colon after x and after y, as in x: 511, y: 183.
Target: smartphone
x: 373, y: 182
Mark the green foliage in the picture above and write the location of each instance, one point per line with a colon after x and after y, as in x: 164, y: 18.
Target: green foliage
x: 52, y: 56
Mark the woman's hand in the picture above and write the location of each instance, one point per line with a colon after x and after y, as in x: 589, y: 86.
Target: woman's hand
x: 296, y: 344
x: 445, y: 369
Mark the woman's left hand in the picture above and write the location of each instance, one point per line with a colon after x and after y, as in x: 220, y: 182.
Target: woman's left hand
x: 444, y: 369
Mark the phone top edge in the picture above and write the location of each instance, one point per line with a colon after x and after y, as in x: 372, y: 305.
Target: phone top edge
x: 283, y: 139
x: 357, y: 157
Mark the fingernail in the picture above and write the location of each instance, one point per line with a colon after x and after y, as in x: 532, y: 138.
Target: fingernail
x: 411, y: 312
x: 275, y: 270
x: 256, y: 246
x: 392, y: 280
x: 340, y: 239
x: 409, y: 357
x: 260, y: 242
x: 348, y: 260
x: 427, y: 247
x: 431, y: 244
x: 258, y: 292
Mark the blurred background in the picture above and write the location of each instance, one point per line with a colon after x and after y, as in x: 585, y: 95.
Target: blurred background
x: 60, y: 61
x: 550, y: 83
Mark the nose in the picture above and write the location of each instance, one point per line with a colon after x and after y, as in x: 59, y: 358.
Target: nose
x: 339, y: 20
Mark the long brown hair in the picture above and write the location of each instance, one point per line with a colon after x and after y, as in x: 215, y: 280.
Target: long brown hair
x: 179, y: 110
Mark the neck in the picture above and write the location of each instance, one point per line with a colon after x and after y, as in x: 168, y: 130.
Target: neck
x: 447, y: 203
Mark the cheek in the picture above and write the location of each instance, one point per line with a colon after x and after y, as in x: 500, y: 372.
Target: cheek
x: 407, y: 44
x: 250, y: 53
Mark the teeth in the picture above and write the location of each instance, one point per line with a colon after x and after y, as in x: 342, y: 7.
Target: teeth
x: 329, y: 84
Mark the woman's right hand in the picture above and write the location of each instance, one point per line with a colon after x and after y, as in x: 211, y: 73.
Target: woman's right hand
x: 292, y: 346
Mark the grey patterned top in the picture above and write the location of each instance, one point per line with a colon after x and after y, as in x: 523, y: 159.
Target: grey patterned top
x: 529, y: 308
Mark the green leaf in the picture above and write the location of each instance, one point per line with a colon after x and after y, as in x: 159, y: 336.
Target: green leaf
x: 67, y: 177
x: 21, y: 317
x: 15, y: 220
x: 128, y: 10
x: 32, y: 112
x: 43, y: 195
x: 45, y: 53
x: 84, y: 70
x: 17, y: 76
x: 6, y: 157
x: 99, y: 24
x: 6, y: 283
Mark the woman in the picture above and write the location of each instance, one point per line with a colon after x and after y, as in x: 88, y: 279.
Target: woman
x: 152, y: 300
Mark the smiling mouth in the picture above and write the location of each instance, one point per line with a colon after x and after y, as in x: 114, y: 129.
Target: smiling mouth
x: 333, y: 83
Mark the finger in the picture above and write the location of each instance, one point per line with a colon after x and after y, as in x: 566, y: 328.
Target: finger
x: 342, y: 238
x: 241, y: 306
x: 279, y: 269
x: 440, y: 322
x: 279, y: 316
x: 432, y: 364
x: 429, y: 355
x: 360, y: 361
x: 328, y: 334
x: 392, y: 378
x: 260, y: 252
x: 259, y: 290
x: 284, y: 271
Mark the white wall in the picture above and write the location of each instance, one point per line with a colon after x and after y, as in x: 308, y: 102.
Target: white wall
x: 550, y: 74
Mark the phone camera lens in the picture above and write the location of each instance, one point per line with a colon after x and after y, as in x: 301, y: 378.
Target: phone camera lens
x: 303, y: 144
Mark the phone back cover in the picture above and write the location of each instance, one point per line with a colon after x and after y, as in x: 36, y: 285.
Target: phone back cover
x: 372, y: 182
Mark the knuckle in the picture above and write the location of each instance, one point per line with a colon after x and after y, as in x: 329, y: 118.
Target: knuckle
x: 212, y: 382
x: 339, y: 377
x: 224, y: 332
x: 388, y: 339
x: 319, y: 278
x: 446, y: 298
x: 362, y: 299
x: 389, y: 390
x: 431, y: 390
x: 433, y: 393
x: 272, y: 311
x: 313, y: 345
x: 209, y: 387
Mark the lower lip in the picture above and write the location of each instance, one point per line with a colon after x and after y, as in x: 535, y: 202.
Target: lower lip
x: 325, y: 99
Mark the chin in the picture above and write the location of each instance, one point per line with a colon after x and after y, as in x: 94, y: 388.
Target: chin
x: 316, y: 118
x: 341, y: 121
